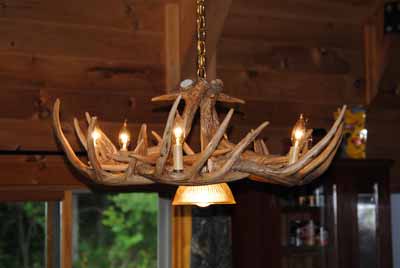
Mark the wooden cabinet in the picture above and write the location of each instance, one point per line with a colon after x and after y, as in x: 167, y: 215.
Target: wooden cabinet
x: 348, y: 226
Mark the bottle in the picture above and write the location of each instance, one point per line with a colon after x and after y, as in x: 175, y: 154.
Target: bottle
x: 310, y: 233
x: 319, y: 197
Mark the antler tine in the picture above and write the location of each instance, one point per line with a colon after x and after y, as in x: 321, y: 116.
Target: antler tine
x: 228, y: 99
x: 94, y: 162
x: 322, y: 168
x: 166, y: 140
x: 75, y: 161
x: 166, y: 97
x: 257, y: 146
x: 156, y: 136
x: 106, y: 144
x: 264, y: 147
x: 88, y: 117
x: 211, y: 147
x: 80, y: 134
x: 142, y: 141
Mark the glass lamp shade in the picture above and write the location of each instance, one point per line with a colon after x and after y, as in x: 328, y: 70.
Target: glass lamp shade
x: 204, y: 195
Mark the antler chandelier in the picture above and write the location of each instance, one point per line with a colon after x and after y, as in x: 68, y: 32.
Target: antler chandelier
x: 172, y: 161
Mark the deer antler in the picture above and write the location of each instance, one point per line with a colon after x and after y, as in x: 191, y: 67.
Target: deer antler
x: 219, y: 159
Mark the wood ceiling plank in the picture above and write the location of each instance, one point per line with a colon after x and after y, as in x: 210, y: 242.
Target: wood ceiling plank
x: 37, y: 135
x: 79, y: 73
x: 354, y: 12
x: 275, y: 86
x: 136, y: 15
x: 77, y: 41
x: 263, y: 55
x: 36, y: 103
x: 293, y: 31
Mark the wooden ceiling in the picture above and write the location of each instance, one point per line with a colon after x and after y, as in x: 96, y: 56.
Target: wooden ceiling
x: 109, y: 58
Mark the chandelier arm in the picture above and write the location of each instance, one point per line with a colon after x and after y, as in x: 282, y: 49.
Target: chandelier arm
x: 211, y: 147
x: 313, y: 152
x: 69, y: 152
x: 166, y: 141
x: 263, y: 171
x: 263, y: 175
x: 318, y: 160
x: 80, y: 134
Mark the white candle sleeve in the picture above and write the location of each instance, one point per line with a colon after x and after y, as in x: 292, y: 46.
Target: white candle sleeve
x: 294, y: 153
x: 178, y: 157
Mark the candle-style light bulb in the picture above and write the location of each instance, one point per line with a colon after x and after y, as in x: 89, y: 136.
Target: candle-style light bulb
x: 298, y: 134
x: 177, y: 149
x: 95, y: 135
x: 124, y: 137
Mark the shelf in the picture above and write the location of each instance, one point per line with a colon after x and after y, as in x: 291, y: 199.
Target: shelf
x: 301, y: 209
x: 303, y: 250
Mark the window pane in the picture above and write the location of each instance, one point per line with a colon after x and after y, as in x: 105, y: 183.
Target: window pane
x: 115, y: 230
x: 22, y: 235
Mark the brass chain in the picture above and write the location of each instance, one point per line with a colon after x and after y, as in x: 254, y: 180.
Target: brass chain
x: 201, y: 40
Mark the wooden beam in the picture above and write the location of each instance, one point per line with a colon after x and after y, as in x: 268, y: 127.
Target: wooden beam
x: 50, y: 175
x: 172, y: 46
x: 66, y: 230
x: 24, y: 195
x: 216, y: 14
x: 53, y: 233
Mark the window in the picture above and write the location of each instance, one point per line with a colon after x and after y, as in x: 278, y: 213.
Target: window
x: 22, y: 235
x: 115, y: 230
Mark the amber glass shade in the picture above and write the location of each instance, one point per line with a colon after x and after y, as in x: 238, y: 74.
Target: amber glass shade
x: 204, y: 195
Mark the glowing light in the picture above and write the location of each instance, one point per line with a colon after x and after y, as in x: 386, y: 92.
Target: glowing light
x: 299, y: 130
x: 95, y: 135
x: 178, y: 133
x: 204, y: 195
x: 124, y: 137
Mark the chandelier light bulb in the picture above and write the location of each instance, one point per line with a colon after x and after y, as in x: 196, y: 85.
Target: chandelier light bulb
x: 299, y: 130
x: 203, y: 204
x: 298, y: 134
x: 178, y: 133
x: 95, y: 135
x: 124, y: 137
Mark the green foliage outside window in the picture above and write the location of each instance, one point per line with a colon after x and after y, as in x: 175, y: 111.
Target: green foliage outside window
x: 120, y: 233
